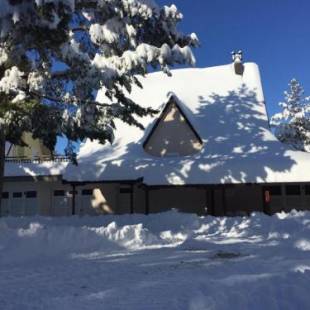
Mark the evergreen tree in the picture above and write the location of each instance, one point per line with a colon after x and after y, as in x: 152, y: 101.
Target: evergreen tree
x: 56, y: 54
x: 292, y: 124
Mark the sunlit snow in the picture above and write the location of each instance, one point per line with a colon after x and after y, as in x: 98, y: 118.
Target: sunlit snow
x: 162, y: 261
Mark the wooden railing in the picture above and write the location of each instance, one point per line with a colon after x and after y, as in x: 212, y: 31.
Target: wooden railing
x: 37, y: 159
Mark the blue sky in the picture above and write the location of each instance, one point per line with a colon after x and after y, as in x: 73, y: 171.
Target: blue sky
x: 275, y: 34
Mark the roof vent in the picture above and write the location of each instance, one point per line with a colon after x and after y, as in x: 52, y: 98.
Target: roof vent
x: 237, y: 60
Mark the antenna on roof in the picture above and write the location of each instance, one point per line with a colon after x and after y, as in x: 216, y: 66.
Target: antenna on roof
x: 237, y: 58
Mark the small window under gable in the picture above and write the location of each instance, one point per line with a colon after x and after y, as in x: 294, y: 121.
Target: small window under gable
x: 173, y: 135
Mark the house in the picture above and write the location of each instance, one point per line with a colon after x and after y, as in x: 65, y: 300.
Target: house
x: 209, y: 151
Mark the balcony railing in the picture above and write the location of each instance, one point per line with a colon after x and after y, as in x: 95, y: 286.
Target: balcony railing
x: 37, y: 159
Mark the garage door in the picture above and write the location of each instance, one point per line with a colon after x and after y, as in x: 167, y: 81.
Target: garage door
x: 86, y: 202
x: 293, y: 197
x: 23, y: 204
x: 125, y: 200
x: 31, y: 203
x: 17, y: 204
x: 61, y: 203
x: 5, y: 204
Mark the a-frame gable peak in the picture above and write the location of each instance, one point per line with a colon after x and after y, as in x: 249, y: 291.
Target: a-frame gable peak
x: 172, y: 134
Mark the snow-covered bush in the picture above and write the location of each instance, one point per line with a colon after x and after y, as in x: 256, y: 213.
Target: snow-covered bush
x: 292, y: 124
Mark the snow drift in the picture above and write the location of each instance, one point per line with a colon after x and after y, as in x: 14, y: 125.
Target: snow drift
x: 162, y: 261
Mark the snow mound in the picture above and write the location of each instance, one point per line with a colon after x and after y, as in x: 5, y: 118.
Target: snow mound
x: 175, y: 261
x: 26, y: 238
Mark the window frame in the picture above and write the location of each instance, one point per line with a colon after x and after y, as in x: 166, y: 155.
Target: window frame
x: 31, y: 194
x: 274, y: 190
x: 17, y: 195
x: 5, y: 195
x: 59, y: 193
x: 87, y: 192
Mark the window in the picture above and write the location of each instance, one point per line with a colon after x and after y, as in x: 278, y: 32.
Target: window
x: 172, y: 135
x: 307, y: 189
x: 87, y: 192
x: 17, y: 195
x: 292, y: 190
x: 31, y: 194
x: 75, y: 192
x: 274, y: 190
x: 59, y: 193
x: 5, y: 195
x: 125, y: 190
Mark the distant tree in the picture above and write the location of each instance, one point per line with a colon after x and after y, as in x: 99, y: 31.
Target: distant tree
x: 56, y: 54
x: 292, y: 124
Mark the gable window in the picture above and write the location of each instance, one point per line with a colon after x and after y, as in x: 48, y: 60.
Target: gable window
x: 173, y: 134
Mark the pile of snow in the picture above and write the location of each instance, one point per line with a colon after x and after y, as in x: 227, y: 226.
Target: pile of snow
x: 162, y: 261
x: 28, y: 238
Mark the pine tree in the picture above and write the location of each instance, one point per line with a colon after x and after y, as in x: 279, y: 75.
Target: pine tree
x: 56, y: 54
x: 292, y: 124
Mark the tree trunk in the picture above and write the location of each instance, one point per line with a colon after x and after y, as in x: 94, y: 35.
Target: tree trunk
x: 2, y: 162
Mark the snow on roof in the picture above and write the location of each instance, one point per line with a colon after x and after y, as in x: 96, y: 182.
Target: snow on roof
x: 227, y: 111
x: 229, y: 114
x: 48, y: 168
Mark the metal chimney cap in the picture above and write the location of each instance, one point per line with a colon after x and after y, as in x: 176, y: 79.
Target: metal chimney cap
x: 237, y: 56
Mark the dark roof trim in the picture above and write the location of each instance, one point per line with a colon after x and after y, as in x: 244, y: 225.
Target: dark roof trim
x: 221, y: 185
x: 172, y: 100
x: 81, y: 183
x: 200, y: 186
x: 29, y: 178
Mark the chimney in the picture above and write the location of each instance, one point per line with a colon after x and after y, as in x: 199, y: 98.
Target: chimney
x: 237, y: 61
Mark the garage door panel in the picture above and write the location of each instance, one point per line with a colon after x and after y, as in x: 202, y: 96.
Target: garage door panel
x: 31, y: 203
x: 5, y: 204
x: 17, y: 204
x: 61, y: 205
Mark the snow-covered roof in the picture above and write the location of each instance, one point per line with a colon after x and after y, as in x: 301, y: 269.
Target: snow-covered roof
x: 227, y: 111
x: 34, y: 169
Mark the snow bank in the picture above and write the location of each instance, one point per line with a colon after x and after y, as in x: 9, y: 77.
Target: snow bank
x: 26, y: 238
x: 163, y: 261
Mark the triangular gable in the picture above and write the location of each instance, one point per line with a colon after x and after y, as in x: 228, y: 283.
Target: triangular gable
x: 172, y: 134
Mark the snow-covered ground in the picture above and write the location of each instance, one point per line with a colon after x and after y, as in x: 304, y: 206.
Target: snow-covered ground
x: 164, y: 261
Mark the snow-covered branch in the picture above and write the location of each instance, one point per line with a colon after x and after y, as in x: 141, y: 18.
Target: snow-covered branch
x: 61, y: 52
